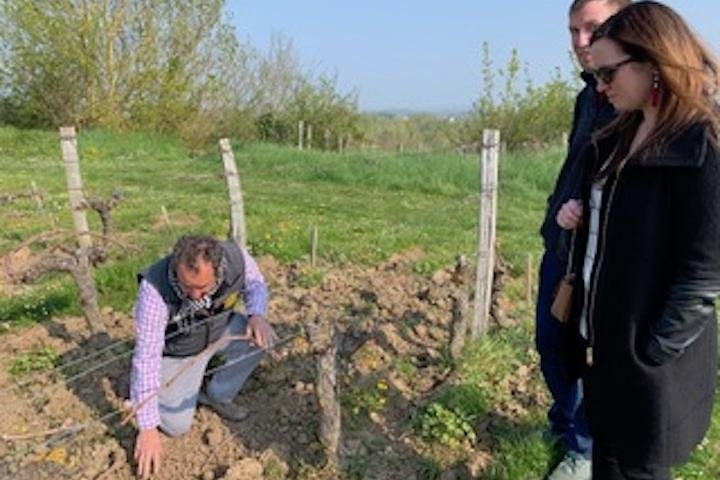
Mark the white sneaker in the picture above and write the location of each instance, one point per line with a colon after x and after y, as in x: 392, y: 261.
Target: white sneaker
x: 572, y: 467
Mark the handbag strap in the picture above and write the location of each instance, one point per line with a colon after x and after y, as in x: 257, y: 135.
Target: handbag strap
x: 568, y: 269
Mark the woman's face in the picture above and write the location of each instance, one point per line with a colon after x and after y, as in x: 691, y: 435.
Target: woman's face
x: 626, y: 83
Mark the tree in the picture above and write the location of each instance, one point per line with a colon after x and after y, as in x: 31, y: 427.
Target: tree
x: 534, y: 116
x: 114, y: 63
x: 161, y: 65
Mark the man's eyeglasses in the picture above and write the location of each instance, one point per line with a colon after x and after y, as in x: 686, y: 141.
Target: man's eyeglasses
x: 606, y: 74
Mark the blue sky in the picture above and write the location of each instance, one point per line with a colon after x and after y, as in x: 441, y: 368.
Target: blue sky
x: 425, y: 55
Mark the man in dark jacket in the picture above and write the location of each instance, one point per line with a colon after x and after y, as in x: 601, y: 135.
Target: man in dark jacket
x: 566, y: 416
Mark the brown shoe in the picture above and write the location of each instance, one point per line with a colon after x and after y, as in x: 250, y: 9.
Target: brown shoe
x: 228, y: 411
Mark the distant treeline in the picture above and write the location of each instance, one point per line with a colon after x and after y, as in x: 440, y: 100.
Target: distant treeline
x: 179, y: 68
x: 528, y: 115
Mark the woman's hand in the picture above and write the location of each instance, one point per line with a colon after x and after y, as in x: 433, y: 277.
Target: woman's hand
x: 570, y: 214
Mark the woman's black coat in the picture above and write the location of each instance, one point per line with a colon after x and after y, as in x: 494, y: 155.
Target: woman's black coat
x: 649, y: 391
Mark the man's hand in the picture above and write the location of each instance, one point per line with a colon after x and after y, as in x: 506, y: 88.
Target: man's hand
x: 260, y: 332
x: 148, y: 449
x: 570, y: 214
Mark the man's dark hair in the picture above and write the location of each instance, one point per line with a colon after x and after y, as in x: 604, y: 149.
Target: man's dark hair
x: 578, y: 4
x: 190, y: 249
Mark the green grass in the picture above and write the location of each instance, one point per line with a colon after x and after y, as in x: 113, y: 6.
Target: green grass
x: 366, y: 205
x: 705, y: 461
x: 516, y: 442
x: 520, y: 452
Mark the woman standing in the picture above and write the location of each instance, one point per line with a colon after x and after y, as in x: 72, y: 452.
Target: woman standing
x: 648, y: 250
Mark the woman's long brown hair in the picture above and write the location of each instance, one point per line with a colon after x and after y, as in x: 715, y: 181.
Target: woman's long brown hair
x: 689, y: 74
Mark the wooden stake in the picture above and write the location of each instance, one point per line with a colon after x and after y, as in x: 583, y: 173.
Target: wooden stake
x: 68, y: 143
x: 324, y: 343
x: 486, y: 232
x: 83, y: 273
x: 237, y: 208
x: 309, y: 136
x: 36, y: 195
x: 165, y: 216
x: 301, y: 124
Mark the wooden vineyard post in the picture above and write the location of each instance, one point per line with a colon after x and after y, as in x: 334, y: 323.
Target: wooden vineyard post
x: 165, y: 217
x: 83, y: 273
x: 35, y: 194
x: 486, y: 232
x: 301, y: 126
x: 237, y: 208
x: 321, y: 335
x: 169, y: 233
x: 68, y: 143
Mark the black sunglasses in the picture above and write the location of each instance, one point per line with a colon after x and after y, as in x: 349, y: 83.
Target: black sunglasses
x: 607, y: 73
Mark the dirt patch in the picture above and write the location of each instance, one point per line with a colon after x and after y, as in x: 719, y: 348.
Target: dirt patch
x: 386, y: 316
x: 10, y: 265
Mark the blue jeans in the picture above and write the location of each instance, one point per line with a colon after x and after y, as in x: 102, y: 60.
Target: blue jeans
x: 177, y: 402
x: 567, y: 414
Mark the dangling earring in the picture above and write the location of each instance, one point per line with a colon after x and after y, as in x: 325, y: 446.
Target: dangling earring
x: 655, y: 90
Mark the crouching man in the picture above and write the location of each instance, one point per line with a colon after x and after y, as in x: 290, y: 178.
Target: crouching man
x: 185, y: 312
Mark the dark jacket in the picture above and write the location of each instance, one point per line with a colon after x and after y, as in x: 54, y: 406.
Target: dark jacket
x: 190, y: 330
x: 652, y: 323
x: 591, y: 113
